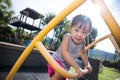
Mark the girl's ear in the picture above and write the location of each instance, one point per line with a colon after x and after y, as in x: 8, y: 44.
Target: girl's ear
x: 70, y: 28
x: 88, y: 34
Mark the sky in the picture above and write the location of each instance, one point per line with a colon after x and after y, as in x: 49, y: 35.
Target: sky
x: 88, y: 9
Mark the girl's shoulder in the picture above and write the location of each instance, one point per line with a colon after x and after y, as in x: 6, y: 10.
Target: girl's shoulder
x: 67, y: 34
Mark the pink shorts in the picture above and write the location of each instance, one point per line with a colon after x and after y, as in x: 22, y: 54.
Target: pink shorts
x: 51, y: 71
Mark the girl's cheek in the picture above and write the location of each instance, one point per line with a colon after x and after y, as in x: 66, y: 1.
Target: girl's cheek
x: 84, y: 37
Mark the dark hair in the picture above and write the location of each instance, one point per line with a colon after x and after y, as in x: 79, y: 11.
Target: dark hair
x: 84, y: 20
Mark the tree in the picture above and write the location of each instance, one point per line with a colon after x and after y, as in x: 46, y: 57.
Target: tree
x: 92, y: 36
x: 47, y: 18
x: 5, y: 15
x: 5, y: 12
x: 59, y: 31
x: 6, y: 34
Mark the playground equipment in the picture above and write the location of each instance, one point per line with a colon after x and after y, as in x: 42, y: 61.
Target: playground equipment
x: 113, y: 26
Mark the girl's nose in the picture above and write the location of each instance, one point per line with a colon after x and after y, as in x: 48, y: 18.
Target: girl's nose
x: 79, y: 34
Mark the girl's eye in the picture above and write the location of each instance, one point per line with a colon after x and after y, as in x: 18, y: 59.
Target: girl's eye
x: 76, y: 30
x: 84, y: 32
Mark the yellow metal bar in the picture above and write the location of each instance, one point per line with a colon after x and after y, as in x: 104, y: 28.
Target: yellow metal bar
x: 51, y: 24
x: 95, y: 42
x: 53, y: 63
x: 108, y: 18
x: 114, y: 42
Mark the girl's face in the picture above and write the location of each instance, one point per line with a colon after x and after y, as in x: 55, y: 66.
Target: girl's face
x: 79, y: 34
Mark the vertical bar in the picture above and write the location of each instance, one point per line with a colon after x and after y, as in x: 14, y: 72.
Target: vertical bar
x: 114, y: 42
x: 108, y: 18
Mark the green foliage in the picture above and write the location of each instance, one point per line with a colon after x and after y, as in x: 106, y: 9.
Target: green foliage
x: 59, y: 31
x: 5, y: 4
x: 6, y: 34
x: 5, y: 12
x: 47, y: 18
x: 114, y: 63
x: 109, y: 74
x: 92, y: 36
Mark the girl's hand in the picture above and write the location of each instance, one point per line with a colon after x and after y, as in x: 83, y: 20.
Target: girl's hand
x: 89, y: 68
x: 80, y: 72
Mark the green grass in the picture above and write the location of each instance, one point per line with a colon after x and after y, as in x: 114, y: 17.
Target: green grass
x: 109, y: 74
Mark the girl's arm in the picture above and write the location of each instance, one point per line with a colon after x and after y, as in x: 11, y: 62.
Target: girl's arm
x: 85, y: 59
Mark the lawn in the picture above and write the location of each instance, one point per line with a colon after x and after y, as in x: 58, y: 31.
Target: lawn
x: 109, y: 74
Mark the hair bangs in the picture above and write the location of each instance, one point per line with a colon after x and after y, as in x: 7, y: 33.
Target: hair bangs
x: 85, y: 26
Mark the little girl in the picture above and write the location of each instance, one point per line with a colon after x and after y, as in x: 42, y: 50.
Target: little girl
x: 72, y: 45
